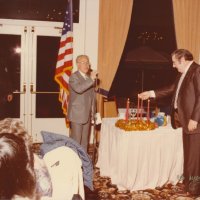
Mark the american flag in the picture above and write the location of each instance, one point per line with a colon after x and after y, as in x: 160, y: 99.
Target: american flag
x: 65, y: 57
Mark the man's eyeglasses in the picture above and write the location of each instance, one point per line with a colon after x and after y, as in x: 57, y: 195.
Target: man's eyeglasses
x: 84, y: 63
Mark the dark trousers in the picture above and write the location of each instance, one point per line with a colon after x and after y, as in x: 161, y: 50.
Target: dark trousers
x: 191, y: 148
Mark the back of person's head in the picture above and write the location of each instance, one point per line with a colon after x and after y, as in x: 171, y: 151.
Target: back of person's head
x: 16, y: 127
x: 16, y: 175
x: 10, y: 125
x: 183, y: 53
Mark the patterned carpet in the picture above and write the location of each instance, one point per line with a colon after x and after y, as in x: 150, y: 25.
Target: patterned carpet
x: 105, y: 190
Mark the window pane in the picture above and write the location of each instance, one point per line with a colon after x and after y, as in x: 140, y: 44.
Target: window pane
x: 43, y: 10
x: 47, y: 105
x: 10, y: 73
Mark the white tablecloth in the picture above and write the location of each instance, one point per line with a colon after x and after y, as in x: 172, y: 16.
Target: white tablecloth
x: 139, y: 160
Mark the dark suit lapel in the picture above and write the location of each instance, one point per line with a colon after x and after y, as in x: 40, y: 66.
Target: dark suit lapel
x: 187, y: 77
x: 176, y: 83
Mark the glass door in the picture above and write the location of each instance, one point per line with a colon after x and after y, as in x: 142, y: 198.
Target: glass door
x: 12, y: 61
x: 46, y: 112
x: 29, y: 53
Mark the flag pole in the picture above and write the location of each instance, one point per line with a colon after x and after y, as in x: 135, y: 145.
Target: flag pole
x: 95, y: 148
x: 64, y: 63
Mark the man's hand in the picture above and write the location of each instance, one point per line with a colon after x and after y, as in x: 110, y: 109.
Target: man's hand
x: 144, y: 95
x: 192, y: 125
x: 9, y: 97
x: 93, y: 75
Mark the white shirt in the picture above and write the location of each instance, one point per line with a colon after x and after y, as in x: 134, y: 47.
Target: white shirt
x: 153, y: 95
x: 179, y: 84
x: 83, y: 75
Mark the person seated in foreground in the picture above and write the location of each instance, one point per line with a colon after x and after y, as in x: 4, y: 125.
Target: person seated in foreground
x: 17, y: 175
x: 41, y: 179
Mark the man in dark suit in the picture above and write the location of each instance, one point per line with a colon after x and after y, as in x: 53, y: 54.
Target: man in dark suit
x: 185, y: 113
x: 81, y: 108
x: 5, y: 88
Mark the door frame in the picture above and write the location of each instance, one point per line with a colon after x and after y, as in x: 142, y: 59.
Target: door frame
x: 29, y: 31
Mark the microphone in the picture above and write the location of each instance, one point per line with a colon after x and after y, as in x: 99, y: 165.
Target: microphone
x: 96, y: 79
x: 91, y: 70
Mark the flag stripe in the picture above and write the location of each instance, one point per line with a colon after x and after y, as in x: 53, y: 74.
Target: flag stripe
x: 63, y: 57
x: 64, y: 63
x: 66, y: 67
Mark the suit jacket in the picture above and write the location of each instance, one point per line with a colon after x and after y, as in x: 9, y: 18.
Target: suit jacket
x: 188, y: 102
x: 81, y: 105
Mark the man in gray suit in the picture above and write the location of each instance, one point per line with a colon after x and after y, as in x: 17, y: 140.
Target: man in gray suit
x: 81, y: 108
x: 185, y: 112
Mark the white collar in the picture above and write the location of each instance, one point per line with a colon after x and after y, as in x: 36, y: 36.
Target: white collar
x: 83, y: 74
x: 188, y: 66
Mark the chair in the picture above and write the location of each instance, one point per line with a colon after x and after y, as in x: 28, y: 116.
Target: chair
x: 64, y: 167
x: 110, y: 107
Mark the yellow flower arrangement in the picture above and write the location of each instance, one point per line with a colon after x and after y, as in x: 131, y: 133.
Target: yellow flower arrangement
x: 135, y: 125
